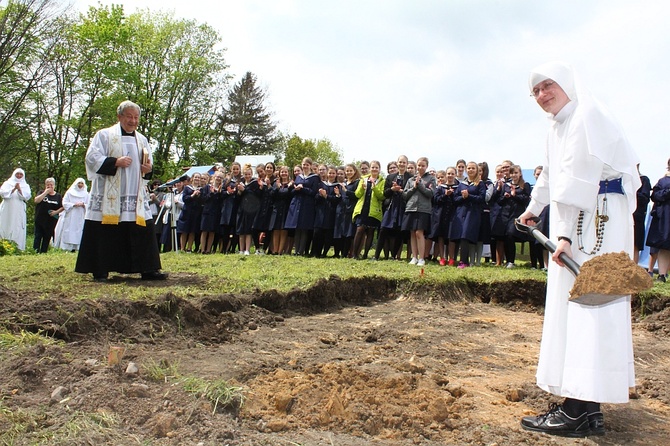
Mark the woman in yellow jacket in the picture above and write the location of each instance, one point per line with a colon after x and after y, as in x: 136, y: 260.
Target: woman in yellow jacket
x: 368, y: 211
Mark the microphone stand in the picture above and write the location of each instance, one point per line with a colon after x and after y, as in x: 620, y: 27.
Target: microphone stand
x: 169, y: 208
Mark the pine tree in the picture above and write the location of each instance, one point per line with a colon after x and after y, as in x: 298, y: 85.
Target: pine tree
x: 246, y: 122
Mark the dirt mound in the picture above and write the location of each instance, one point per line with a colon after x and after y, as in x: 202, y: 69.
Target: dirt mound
x: 611, y: 274
x: 358, y: 400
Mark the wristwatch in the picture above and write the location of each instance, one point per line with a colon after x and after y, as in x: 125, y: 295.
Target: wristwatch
x: 566, y: 239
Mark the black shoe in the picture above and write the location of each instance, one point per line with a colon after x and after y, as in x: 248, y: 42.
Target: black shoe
x: 661, y: 278
x: 557, y: 422
x: 101, y: 279
x: 154, y: 275
x: 596, y: 423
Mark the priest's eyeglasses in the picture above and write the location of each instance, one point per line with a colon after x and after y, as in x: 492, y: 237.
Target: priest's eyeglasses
x: 544, y: 86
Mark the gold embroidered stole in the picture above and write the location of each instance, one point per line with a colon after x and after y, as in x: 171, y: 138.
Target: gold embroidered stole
x: 111, y: 200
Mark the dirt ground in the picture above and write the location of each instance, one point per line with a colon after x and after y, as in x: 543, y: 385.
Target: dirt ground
x: 328, y: 366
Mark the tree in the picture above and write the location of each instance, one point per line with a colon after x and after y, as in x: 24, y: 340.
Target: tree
x: 62, y: 77
x: 296, y: 149
x: 246, y: 122
x: 175, y: 73
x: 320, y: 151
x: 73, y: 99
x: 26, y: 31
x: 169, y: 67
x: 327, y: 153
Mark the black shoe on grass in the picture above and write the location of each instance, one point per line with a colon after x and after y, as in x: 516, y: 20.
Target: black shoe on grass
x: 557, y: 422
x: 154, y: 275
x: 100, y: 278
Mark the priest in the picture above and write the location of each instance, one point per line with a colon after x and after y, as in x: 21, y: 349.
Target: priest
x: 118, y: 233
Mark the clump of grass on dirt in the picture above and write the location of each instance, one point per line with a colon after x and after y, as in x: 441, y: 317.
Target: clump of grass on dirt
x: 161, y: 371
x: 13, y: 424
x: 81, y: 428
x: 220, y: 393
x: 19, y: 342
x: 81, y: 423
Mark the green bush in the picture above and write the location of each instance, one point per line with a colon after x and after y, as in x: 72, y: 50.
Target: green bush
x: 8, y: 247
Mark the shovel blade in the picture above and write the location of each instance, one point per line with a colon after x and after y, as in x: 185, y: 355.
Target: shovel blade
x: 594, y: 299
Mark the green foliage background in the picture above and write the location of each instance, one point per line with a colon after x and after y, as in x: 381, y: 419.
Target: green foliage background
x: 62, y: 75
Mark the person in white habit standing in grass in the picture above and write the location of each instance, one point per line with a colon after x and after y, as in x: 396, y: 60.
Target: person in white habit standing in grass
x: 589, y: 181
x: 71, y: 223
x: 14, y: 192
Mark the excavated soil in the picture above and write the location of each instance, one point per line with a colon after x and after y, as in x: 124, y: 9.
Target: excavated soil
x: 612, y: 274
x: 335, y: 365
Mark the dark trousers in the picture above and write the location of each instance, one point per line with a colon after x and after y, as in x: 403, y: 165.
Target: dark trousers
x: 575, y: 408
x: 43, y: 236
x: 510, y: 250
x: 302, y: 241
x: 536, y: 255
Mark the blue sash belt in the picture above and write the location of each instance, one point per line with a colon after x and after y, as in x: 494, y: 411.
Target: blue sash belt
x: 611, y: 187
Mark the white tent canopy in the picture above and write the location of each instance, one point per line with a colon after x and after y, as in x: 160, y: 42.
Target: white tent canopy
x: 200, y: 169
x: 254, y: 160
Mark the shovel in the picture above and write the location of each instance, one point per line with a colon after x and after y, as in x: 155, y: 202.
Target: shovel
x: 591, y: 298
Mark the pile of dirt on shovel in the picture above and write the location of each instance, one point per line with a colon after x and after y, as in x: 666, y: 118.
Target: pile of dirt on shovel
x: 611, y: 274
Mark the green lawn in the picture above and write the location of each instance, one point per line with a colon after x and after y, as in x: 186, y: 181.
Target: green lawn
x: 195, y: 275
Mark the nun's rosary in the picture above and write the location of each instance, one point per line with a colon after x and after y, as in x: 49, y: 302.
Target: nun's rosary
x: 601, y: 219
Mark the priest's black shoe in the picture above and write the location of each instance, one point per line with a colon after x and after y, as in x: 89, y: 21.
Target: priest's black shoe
x: 557, y: 422
x: 154, y: 275
x: 101, y: 279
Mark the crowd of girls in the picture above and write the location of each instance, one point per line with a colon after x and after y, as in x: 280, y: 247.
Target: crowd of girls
x: 315, y: 209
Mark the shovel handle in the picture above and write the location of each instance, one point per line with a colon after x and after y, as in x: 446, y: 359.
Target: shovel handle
x: 544, y: 241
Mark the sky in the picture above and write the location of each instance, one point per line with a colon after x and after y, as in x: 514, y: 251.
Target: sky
x: 445, y: 79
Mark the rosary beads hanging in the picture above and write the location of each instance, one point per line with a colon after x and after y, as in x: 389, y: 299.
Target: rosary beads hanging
x: 601, y: 219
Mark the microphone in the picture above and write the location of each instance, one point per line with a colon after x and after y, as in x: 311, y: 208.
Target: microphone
x: 172, y: 182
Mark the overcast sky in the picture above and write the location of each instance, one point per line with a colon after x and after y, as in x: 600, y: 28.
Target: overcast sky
x: 446, y: 79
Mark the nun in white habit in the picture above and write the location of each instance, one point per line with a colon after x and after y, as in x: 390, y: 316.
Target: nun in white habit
x: 14, y: 192
x: 71, y: 224
x: 586, y: 353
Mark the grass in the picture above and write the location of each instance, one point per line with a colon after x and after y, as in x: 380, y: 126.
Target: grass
x: 161, y: 371
x: 220, y: 393
x: 53, y: 273
x: 23, y: 340
x: 27, y: 427
x: 196, y: 275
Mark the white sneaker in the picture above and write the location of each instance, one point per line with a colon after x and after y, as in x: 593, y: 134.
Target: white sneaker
x: 246, y: 253
x: 413, y: 261
x: 421, y: 262
x: 510, y: 266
